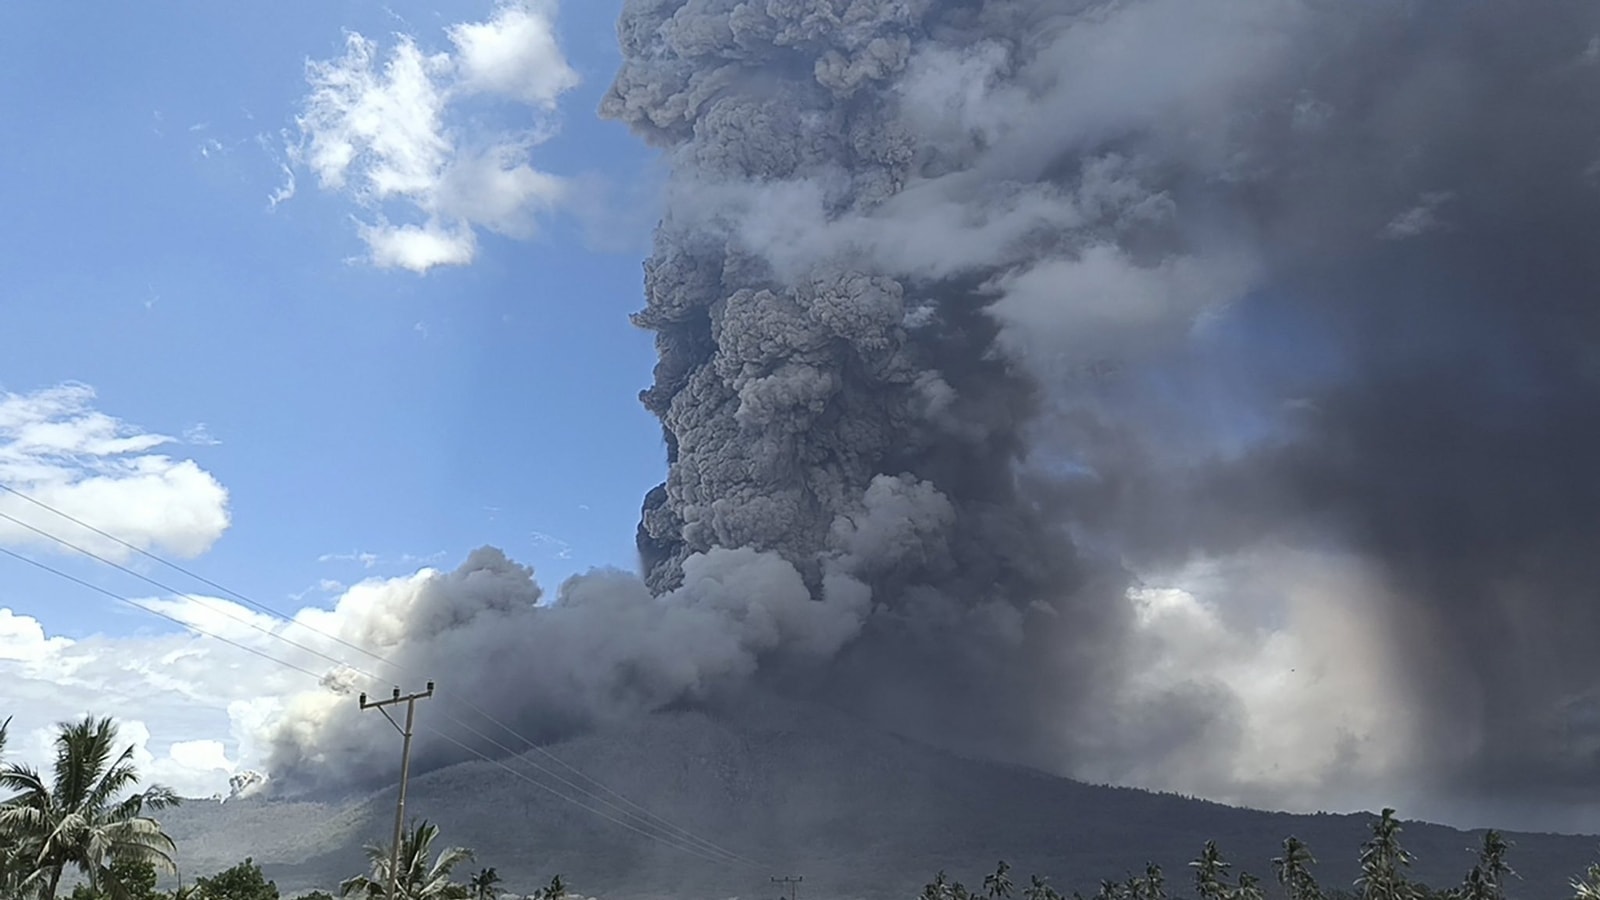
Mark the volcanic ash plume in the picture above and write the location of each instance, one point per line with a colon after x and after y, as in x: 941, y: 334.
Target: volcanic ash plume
x: 1198, y: 395
x: 605, y: 648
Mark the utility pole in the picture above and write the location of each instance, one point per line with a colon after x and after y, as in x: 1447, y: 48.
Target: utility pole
x: 792, y: 881
x: 410, y: 700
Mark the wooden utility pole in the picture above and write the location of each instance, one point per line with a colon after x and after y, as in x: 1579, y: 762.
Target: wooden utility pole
x: 792, y: 881
x: 410, y: 700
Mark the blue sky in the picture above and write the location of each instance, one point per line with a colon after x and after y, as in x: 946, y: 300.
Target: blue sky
x: 202, y: 295
x: 355, y: 408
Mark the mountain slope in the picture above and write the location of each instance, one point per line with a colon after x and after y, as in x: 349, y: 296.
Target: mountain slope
x: 859, y: 814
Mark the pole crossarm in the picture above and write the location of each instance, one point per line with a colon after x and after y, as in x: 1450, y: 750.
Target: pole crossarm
x: 792, y: 882
x: 410, y: 700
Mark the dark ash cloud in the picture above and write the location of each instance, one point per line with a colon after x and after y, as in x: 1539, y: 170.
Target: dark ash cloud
x: 1099, y: 364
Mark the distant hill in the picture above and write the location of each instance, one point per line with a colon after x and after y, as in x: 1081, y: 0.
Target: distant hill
x: 858, y: 813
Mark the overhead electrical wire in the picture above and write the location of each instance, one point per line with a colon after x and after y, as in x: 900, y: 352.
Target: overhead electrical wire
x: 675, y: 836
x: 642, y: 812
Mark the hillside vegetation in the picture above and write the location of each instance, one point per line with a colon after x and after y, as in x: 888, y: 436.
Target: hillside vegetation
x: 858, y: 813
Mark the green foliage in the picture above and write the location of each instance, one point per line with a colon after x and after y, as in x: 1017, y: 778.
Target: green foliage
x: 244, y: 881
x: 485, y: 884
x: 1249, y: 888
x: 1383, y: 863
x: 315, y: 895
x: 1040, y: 889
x: 556, y: 890
x: 1587, y: 886
x: 1492, y: 868
x: 1209, y: 870
x: 86, y: 817
x: 942, y: 888
x: 122, y: 880
x: 997, y: 885
x: 419, y: 879
x: 1293, y: 870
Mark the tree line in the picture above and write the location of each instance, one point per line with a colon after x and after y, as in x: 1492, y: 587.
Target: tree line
x: 90, y: 821
x: 1383, y: 876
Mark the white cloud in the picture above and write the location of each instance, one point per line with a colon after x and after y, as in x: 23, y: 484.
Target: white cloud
x: 549, y: 543
x: 22, y: 639
x: 285, y: 191
x: 380, y: 129
x: 57, y: 448
x: 418, y: 247
x: 370, y: 560
x: 515, y: 53
x: 367, y: 560
x: 199, y: 435
x: 172, y: 694
x: 194, y: 708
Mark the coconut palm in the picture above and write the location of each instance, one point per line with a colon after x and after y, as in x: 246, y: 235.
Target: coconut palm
x: 1383, y: 861
x: 1155, y: 884
x: 1293, y: 869
x: 87, y: 816
x: 1493, y: 866
x: 942, y: 888
x: 10, y: 865
x: 556, y: 890
x: 1110, y: 890
x: 1587, y: 887
x: 997, y: 885
x: 484, y: 885
x: 1476, y: 886
x: 1249, y: 888
x: 419, y: 879
x: 1209, y: 869
x: 1040, y: 889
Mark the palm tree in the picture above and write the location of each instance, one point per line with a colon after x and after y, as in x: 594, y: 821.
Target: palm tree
x: 1040, y: 889
x: 419, y: 880
x: 1155, y: 884
x: 1293, y: 869
x: 84, y: 818
x: 1249, y: 888
x: 10, y: 865
x: 1492, y: 863
x: 998, y: 884
x: 1209, y: 868
x: 1587, y: 887
x: 1476, y: 886
x: 557, y: 890
x: 484, y: 884
x: 1382, y: 861
x: 1109, y: 890
x: 942, y: 888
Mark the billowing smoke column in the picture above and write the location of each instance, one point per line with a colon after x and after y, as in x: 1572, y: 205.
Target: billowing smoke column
x: 1197, y: 395
x: 1360, y: 235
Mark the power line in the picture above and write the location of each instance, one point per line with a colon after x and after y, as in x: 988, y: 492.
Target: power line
x: 666, y: 840
x: 172, y: 590
x: 643, y: 814
x: 685, y: 848
x: 155, y: 612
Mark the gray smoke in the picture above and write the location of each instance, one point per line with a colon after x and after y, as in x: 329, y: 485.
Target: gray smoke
x: 906, y: 236
x: 979, y: 318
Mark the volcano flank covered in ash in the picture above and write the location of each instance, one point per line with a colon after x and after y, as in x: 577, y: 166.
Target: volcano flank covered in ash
x: 1199, y: 397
